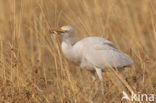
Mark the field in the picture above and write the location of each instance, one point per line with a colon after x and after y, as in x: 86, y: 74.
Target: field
x: 34, y: 70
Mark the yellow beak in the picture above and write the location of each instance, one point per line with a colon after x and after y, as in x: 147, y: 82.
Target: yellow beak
x: 58, y: 31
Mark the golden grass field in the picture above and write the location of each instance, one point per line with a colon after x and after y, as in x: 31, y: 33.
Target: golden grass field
x: 33, y: 69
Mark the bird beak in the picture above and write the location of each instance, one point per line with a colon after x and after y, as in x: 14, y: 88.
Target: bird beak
x: 57, y: 31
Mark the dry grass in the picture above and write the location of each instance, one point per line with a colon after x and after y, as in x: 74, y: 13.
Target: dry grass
x: 33, y: 69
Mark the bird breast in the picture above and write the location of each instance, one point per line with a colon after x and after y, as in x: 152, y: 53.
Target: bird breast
x: 71, y: 53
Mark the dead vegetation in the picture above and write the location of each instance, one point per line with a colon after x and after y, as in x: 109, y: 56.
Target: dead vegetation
x: 33, y: 69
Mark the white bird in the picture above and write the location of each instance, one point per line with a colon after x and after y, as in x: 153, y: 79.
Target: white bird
x: 93, y: 53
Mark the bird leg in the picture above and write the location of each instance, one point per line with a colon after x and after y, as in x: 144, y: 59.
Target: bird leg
x: 96, y: 86
x: 99, y: 73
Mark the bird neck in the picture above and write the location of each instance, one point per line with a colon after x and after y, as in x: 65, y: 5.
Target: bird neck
x: 68, y: 42
x: 67, y: 48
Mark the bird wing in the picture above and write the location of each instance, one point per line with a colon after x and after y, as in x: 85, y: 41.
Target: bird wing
x: 82, y: 46
x: 104, y: 54
x: 98, y: 42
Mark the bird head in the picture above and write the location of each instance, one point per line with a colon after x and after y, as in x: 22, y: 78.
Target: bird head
x: 64, y: 31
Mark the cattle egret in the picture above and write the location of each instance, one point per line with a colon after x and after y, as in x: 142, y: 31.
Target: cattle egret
x: 93, y: 53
